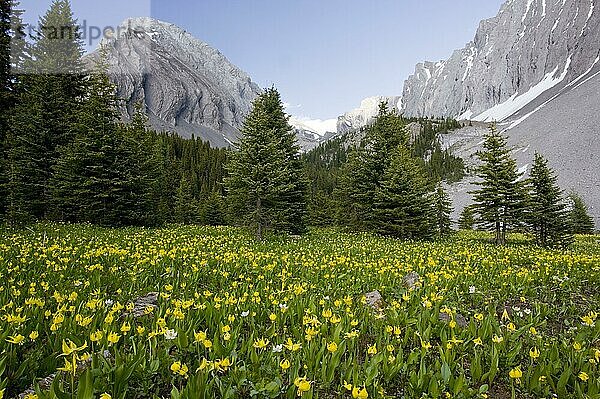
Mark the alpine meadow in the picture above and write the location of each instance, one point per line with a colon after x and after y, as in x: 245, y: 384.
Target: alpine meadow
x: 171, y: 229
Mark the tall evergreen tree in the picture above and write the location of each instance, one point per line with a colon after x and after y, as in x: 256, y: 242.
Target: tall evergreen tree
x: 500, y: 200
x: 44, y: 118
x: 581, y: 221
x: 442, y: 208
x: 467, y: 219
x: 6, y: 93
x: 265, y: 185
x: 91, y: 177
x: 361, y: 176
x: 547, y: 213
x: 403, y: 206
x: 13, y: 50
x: 185, y: 209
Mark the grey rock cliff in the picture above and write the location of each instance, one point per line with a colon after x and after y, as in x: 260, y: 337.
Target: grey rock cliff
x: 186, y: 86
x: 529, y: 47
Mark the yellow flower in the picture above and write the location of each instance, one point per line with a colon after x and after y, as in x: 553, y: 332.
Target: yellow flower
x: 534, y: 353
x: 479, y: 316
x: 583, y: 376
x: 516, y: 374
x: 372, y: 350
x: 207, y: 343
x: 272, y: 317
x: 477, y: 341
x: 284, y: 364
x: 511, y: 327
x: 33, y: 335
x: 497, y: 339
x: 532, y: 331
x: 576, y: 346
x: 332, y: 347
x: 68, y: 347
x: 360, y: 393
x: 105, y: 396
x: 113, y: 337
x: 425, y: 345
x: 199, y: 336
x: 96, y: 336
x: 261, y: 343
x: 302, y: 384
x: 175, y: 367
x: 289, y: 345
x: 15, y: 339
x: 347, y: 385
x: 126, y: 327
x: 69, y: 367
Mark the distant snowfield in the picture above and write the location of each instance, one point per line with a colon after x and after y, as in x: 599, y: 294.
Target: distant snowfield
x: 314, y: 125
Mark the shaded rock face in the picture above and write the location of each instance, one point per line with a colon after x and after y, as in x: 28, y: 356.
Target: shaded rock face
x: 528, y: 48
x: 186, y: 86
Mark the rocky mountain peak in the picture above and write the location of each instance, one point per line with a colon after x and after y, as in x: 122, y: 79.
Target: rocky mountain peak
x: 531, y: 46
x: 185, y: 85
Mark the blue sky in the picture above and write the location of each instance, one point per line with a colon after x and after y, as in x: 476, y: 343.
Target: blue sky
x: 324, y: 56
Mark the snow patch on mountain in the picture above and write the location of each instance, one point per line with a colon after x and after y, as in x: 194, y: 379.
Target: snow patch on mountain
x: 517, y: 102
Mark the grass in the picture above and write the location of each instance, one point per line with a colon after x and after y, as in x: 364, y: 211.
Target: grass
x: 286, y: 318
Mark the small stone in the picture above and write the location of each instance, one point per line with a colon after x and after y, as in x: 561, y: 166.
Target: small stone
x: 411, y: 279
x: 141, y: 303
x: 374, y: 300
x: 460, y: 320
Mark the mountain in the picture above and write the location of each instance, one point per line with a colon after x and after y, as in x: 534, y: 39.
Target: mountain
x: 363, y: 115
x: 530, y: 47
x: 534, y: 68
x: 186, y: 86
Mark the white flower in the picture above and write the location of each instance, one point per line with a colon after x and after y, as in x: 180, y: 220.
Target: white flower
x: 109, y: 302
x: 170, y: 334
x: 277, y: 348
x: 283, y: 306
x: 245, y: 313
x: 472, y: 289
x: 527, y: 311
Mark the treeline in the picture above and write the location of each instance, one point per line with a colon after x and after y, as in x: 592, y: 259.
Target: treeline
x: 66, y: 156
x: 323, y: 164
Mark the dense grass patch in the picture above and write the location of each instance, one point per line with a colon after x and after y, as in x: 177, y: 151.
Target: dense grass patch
x: 237, y: 318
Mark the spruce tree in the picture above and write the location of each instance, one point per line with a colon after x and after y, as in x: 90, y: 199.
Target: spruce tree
x: 403, y: 206
x: 361, y: 175
x: 547, y: 213
x: 581, y: 222
x: 141, y: 170
x: 45, y: 115
x: 442, y: 208
x: 500, y: 200
x: 265, y: 186
x: 91, y: 177
x: 13, y: 51
x: 467, y: 219
x: 6, y: 94
x: 185, y: 209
